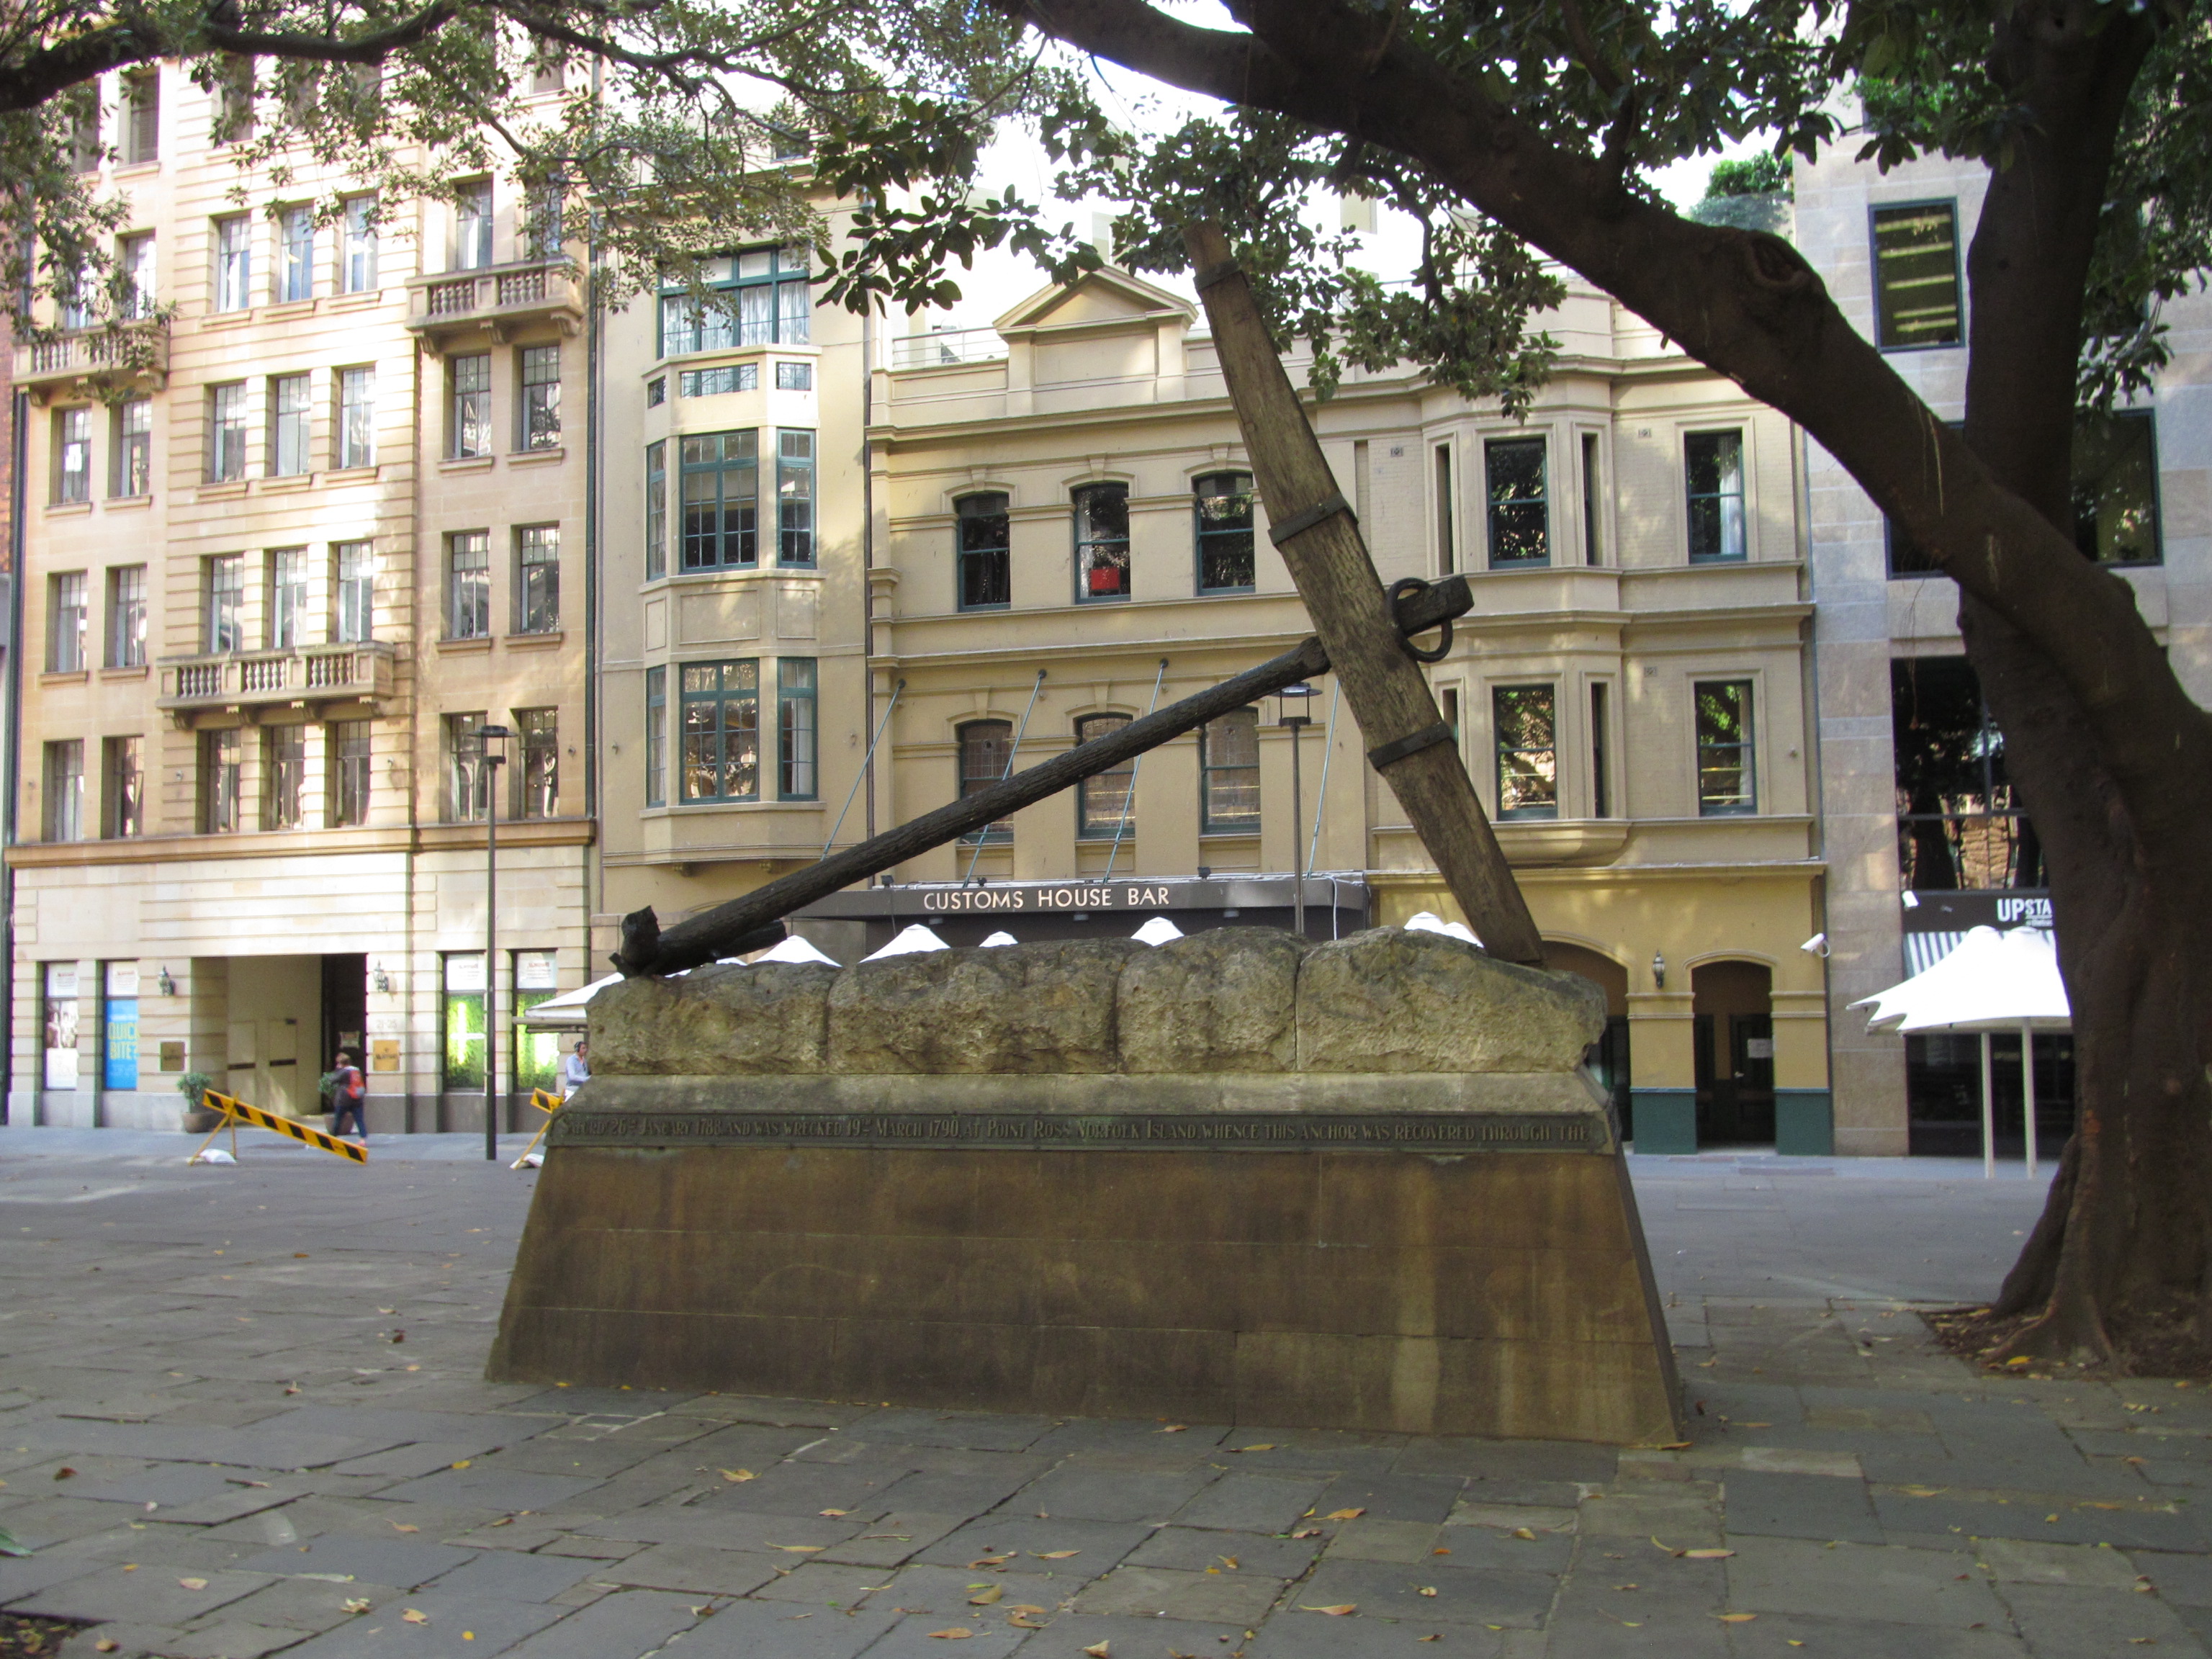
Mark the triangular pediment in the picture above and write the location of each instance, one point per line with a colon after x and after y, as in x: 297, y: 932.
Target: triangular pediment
x: 1104, y: 296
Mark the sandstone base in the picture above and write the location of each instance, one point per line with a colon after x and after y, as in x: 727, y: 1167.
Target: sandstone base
x: 1498, y: 1293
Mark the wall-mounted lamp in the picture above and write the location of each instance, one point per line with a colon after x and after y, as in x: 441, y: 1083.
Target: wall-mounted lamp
x: 1658, y: 970
x: 382, y: 981
x: 168, y: 986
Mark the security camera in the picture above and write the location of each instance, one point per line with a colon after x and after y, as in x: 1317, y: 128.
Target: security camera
x: 1815, y: 947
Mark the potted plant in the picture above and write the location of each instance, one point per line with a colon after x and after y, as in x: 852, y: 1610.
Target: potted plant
x: 199, y: 1116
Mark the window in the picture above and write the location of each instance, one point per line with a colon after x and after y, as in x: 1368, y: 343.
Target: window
x: 1593, y: 536
x: 760, y: 297
x: 357, y: 271
x: 468, y: 585
x: 547, y: 209
x: 472, y: 224
x: 233, y: 122
x: 984, y: 531
x: 468, y: 779
x: 64, y: 787
x: 72, y: 305
x: 1105, y: 802
x: 1915, y: 276
x: 1447, y: 552
x: 346, y: 751
x: 656, y: 736
x: 794, y: 498
x: 223, y: 617
x: 538, y: 413
x: 1229, y: 774
x: 288, y: 598
x: 716, y: 382
x: 234, y: 262
x: 352, y: 592
x: 1726, y: 782
x: 356, y: 417
x: 1225, y: 532
x: 538, y: 579
x: 2116, y: 489
x: 1102, y: 542
x: 656, y: 392
x: 227, y: 433
x: 545, y: 71
x: 220, y: 780
x: 537, y: 781
x: 721, y: 731
x: 1600, y: 778
x: 134, y: 261
x: 984, y: 747
x: 65, y: 625
x: 288, y: 426
x: 133, y: 447
x: 1713, y: 473
x: 1520, y: 516
x: 123, y: 772
x: 794, y: 377
x: 296, y: 255
x: 72, y: 455
x: 141, y: 116
x: 795, y: 728
x: 84, y: 128
x: 284, y: 776
x: 461, y: 1022
x: 1525, y: 731
x: 1958, y: 822
x: 721, y: 480
x: 656, y: 511
x: 127, y: 615
x: 470, y: 423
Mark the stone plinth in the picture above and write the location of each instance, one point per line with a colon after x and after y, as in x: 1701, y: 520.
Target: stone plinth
x: 1364, y: 1185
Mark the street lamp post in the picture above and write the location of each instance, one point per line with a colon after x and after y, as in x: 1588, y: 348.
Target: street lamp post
x: 1291, y: 716
x: 492, y: 761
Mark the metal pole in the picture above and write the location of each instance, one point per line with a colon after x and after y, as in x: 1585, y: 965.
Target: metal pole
x: 1988, y: 1115
x: 1006, y: 771
x: 867, y: 761
x: 486, y: 736
x: 1129, y: 795
x: 1321, y: 795
x: 2027, y: 1091
x: 1297, y: 817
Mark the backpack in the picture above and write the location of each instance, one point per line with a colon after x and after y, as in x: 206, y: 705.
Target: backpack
x: 350, y: 1088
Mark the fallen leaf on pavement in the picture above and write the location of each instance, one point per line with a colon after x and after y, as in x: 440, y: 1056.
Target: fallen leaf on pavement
x: 740, y: 1474
x: 834, y: 1514
x: 64, y: 1473
x: 1228, y: 1561
x: 1344, y: 1514
x: 1524, y: 1533
x: 464, y: 1463
x: 1023, y: 1621
x: 1307, y: 1532
x: 1054, y: 1555
x: 1708, y: 1555
x: 957, y: 1633
x: 984, y: 1598
x: 1338, y: 1611
x: 993, y: 1560
x: 1265, y: 1445
x: 193, y: 1583
x: 1437, y: 1637
x: 1174, y: 1428
x: 800, y: 1549
x: 1428, y: 1589
x: 106, y: 1644
x: 1737, y: 1618
x: 354, y: 1604
x: 1099, y: 1650
x: 404, y: 1526
x: 416, y: 1616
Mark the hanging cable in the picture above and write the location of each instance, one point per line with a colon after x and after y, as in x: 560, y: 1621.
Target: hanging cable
x: 1129, y: 795
x: 882, y: 726
x: 1006, y: 771
x: 1321, y: 799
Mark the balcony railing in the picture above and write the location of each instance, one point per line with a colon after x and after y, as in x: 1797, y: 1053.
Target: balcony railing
x: 948, y: 347
x: 497, y: 299
x: 308, y: 674
x: 131, y: 353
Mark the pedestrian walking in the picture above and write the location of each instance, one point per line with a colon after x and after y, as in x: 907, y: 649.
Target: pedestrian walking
x: 347, y: 1094
x: 576, y: 1070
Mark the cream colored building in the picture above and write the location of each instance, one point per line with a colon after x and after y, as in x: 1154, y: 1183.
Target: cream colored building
x: 275, y: 576
x: 1062, y: 493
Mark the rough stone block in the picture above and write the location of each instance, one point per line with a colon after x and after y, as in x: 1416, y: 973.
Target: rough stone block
x: 724, y: 1020
x: 1030, y: 1009
x: 1223, y: 1001
x: 1389, y: 1000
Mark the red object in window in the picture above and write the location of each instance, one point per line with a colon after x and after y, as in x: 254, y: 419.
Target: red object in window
x: 1105, y: 578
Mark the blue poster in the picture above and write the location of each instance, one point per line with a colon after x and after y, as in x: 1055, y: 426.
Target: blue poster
x: 121, y: 1044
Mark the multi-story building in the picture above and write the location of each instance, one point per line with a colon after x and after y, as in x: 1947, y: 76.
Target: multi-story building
x: 1066, y: 534
x: 1924, y: 836
x: 285, y: 560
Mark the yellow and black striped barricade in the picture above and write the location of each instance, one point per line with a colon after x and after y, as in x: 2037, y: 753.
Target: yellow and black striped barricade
x: 547, y: 1103
x: 236, y: 1112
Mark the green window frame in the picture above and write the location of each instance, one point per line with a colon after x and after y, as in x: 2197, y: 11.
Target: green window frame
x: 1101, y: 542
x: 720, y: 477
x: 762, y: 298
x: 984, y: 747
x: 656, y: 736
x: 1917, y: 302
x: 1712, y: 476
x: 794, y: 498
x: 1525, y: 731
x: 1222, y: 516
x: 656, y: 510
x: 984, y: 529
x: 461, y: 1021
x: 797, y: 733
x: 1105, y: 802
x: 721, y: 707
x: 1229, y: 774
x: 1519, y: 505
x: 1728, y: 782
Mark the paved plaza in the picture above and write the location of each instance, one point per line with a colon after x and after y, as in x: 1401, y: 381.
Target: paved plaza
x: 242, y: 1412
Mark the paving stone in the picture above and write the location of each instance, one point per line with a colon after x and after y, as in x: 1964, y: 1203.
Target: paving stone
x: 133, y: 1642
x: 232, y: 1638
x: 817, y: 1585
x: 1244, y: 1502
x: 151, y: 1595
x: 506, y: 1576
x: 164, y: 1483
x: 1098, y: 1544
x: 598, y: 1402
x: 2094, y: 1624
x: 1395, y: 1498
x: 946, y: 1589
x: 47, y: 1521
x: 23, y: 1576
x: 1366, y: 1540
x: 492, y: 1488
x: 983, y: 1431
x: 914, y: 1637
x: 1799, y: 1506
x: 1306, y: 1636
x: 765, y: 1630
x: 1507, y: 1460
x: 1224, y: 1598
x: 1857, y: 1580
x: 1196, y: 1549
x: 1489, y: 1547
x: 1682, y: 1518
x: 2011, y: 1561
x: 2185, y: 1580
x: 592, y: 1549
x: 1087, y: 1434
x: 933, y: 1492
x: 1771, y: 1636
x: 402, y: 1561
x: 1083, y: 1494
x: 308, y: 1604
x: 1303, y: 1451
x: 729, y: 1529
x: 691, y: 1567
x: 1511, y: 1490
x: 1506, y: 1516
x: 1068, y: 1634
x: 1390, y: 1588
x: 891, y: 1539
x: 2030, y: 1518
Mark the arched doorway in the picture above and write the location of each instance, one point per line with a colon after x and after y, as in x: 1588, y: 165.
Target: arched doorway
x: 1732, y: 1007
x: 1608, y: 1056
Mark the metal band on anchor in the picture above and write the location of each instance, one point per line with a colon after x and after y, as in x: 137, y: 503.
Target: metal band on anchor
x: 1298, y: 523
x: 1389, y: 754
x: 1209, y: 274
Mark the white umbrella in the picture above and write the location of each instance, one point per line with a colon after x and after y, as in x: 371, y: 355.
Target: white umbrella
x: 1992, y: 981
x: 1158, y: 931
x: 1427, y: 921
x: 793, y: 949
x: 913, y: 939
x: 1000, y: 938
